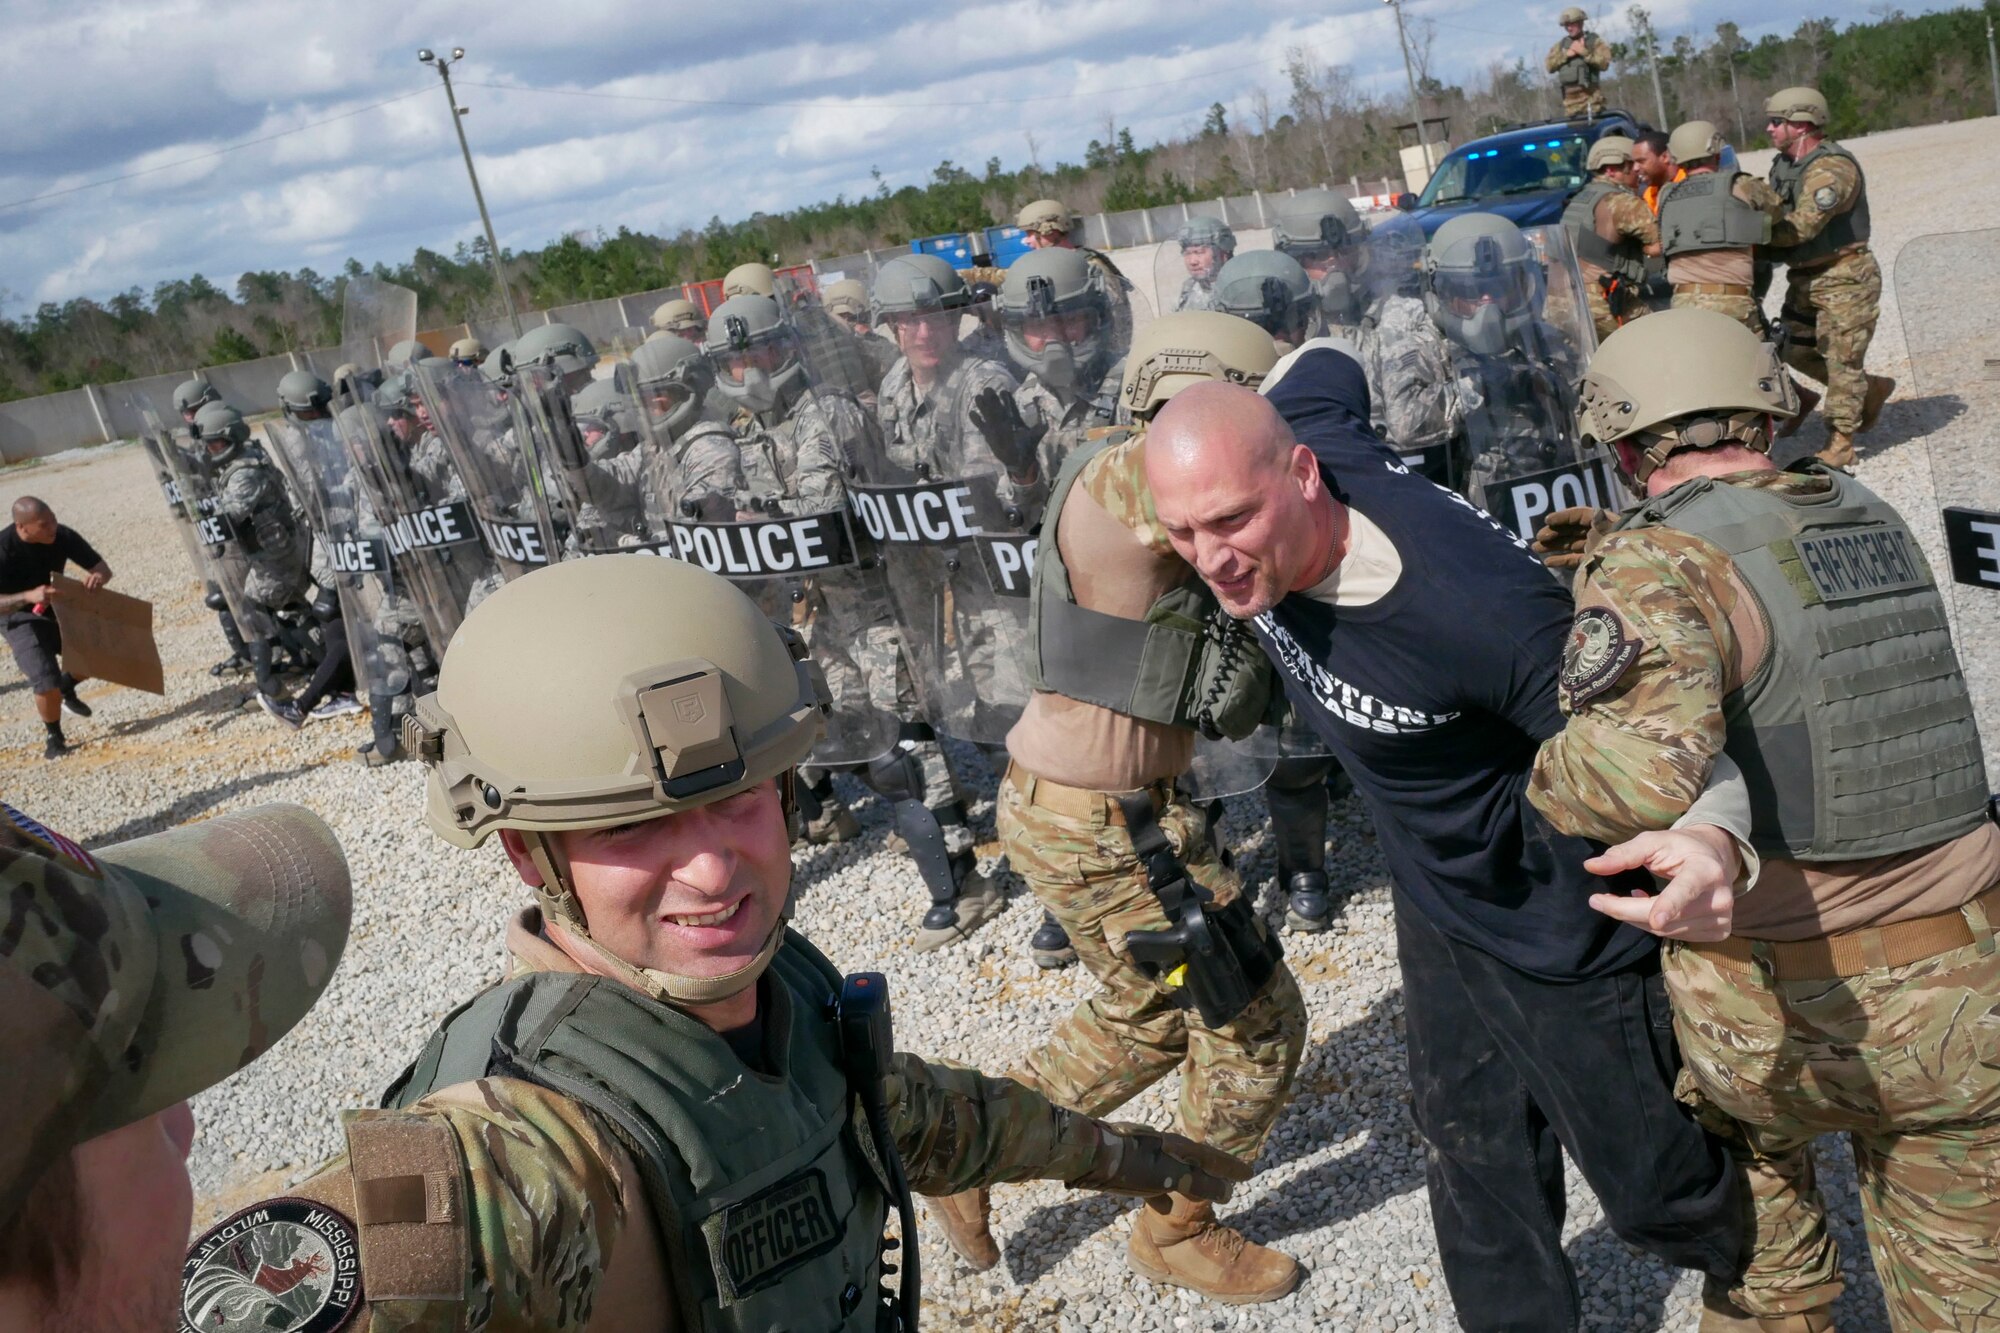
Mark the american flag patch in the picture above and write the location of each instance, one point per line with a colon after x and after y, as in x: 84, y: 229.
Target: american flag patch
x: 55, y: 843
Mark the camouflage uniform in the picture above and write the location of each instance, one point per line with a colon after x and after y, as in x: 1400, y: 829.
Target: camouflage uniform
x: 1197, y: 294
x: 1830, y: 309
x: 1583, y: 98
x: 537, y: 1200
x: 1523, y: 406
x: 1627, y: 213
x: 647, y: 487
x: 1903, y: 1059
x: 1409, y: 372
x: 1082, y: 867
x: 1069, y: 423
x: 252, y: 495
x: 1742, y: 307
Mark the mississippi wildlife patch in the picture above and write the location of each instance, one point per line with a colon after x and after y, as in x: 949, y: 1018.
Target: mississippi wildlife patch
x: 283, y: 1263
x: 1826, y: 197
x: 754, y: 1243
x: 1597, y: 654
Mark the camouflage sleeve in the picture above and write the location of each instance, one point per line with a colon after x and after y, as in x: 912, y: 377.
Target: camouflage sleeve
x: 1556, y: 56
x: 1642, y: 684
x: 819, y: 460
x: 1631, y: 217
x: 712, y: 465
x: 1600, y: 56
x: 957, y: 1128
x: 983, y: 273
x: 1116, y: 479
x: 248, y: 490
x: 1411, y: 377
x: 1760, y: 196
x: 1829, y: 188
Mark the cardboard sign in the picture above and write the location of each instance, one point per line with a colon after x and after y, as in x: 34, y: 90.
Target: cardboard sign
x: 107, y: 636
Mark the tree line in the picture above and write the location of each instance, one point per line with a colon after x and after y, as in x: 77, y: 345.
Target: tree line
x: 1319, y: 125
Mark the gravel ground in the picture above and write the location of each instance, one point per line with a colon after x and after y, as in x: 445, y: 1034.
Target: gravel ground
x: 1341, y: 1181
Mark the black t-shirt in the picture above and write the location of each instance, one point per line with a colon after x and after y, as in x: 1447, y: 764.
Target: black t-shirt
x: 1435, y: 698
x: 25, y: 564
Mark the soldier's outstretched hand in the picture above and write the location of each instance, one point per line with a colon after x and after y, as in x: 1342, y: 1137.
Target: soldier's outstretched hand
x: 1139, y: 1160
x: 1561, y: 539
x: 1698, y: 902
x: 1007, y: 434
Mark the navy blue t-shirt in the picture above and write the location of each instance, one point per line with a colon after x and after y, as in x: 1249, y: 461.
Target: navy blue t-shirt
x: 1436, y: 697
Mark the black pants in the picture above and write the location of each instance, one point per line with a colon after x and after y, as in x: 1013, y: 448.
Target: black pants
x: 1507, y: 1071
x: 335, y: 671
x: 37, y: 642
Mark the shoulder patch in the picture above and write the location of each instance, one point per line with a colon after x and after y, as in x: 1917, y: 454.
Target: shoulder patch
x: 753, y: 1243
x: 1826, y: 197
x: 17, y: 827
x: 283, y: 1263
x: 1597, y: 654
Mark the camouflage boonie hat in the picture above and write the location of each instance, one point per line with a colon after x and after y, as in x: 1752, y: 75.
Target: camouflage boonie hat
x: 142, y: 974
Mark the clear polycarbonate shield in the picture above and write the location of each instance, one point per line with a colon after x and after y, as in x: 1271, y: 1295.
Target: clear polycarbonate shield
x: 159, y: 445
x: 1183, y: 277
x: 948, y: 490
x: 488, y: 438
x: 767, y: 507
x: 223, y: 556
x: 385, y: 632
x: 437, y: 563
x: 1943, y: 285
x: 1520, y: 455
x: 375, y: 315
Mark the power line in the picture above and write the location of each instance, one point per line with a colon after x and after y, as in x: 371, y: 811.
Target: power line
x: 203, y: 157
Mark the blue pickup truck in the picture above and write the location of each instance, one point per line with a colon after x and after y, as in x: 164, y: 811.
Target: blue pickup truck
x: 1526, y: 174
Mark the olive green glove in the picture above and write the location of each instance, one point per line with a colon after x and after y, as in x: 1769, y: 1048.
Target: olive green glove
x: 1561, y: 539
x: 1146, y: 1162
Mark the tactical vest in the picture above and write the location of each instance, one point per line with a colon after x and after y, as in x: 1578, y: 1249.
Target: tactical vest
x: 1855, y: 734
x: 1701, y: 212
x: 1842, y: 230
x: 1142, y: 668
x: 271, y: 533
x: 1577, y: 71
x: 1627, y: 258
x: 768, y: 1201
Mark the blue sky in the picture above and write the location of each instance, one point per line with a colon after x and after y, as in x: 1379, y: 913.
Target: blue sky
x: 99, y: 90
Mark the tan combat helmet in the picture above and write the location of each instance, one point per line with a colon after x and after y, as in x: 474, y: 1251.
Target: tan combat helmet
x: 1696, y: 141
x: 847, y: 297
x: 1806, y: 104
x: 1175, y: 351
x: 677, y: 316
x: 1683, y: 379
x: 467, y: 351
x: 1613, y: 150
x: 558, y: 708
x: 750, y: 280
x: 1572, y: 15
x: 1044, y: 217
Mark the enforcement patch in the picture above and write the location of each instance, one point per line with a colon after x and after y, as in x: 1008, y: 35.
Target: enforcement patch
x: 754, y: 1243
x: 1597, y: 654
x: 1826, y: 197
x: 283, y: 1263
x: 17, y: 827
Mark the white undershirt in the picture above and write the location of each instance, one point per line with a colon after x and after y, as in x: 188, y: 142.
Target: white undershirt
x: 1367, y: 572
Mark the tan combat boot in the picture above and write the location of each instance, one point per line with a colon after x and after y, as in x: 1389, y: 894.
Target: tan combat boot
x: 1721, y: 1315
x: 962, y: 1218
x: 1808, y: 400
x: 1176, y: 1240
x: 1879, y: 389
x: 1839, y: 451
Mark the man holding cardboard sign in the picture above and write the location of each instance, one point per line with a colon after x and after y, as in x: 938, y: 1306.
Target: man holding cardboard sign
x: 33, y: 552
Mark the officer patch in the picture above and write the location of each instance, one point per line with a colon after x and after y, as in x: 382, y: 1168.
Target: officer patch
x: 1597, y: 654
x: 283, y: 1263
x: 754, y: 1243
x: 1826, y: 197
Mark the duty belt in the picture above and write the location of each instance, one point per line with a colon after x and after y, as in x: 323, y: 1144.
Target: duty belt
x: 1712, y: 288
x: 1081, y: 802
x: 1853, y: 952
x: 1859, y: 248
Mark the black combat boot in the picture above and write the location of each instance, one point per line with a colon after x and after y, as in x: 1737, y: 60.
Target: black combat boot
x: 1297, y: 796
x: 1050, y: 944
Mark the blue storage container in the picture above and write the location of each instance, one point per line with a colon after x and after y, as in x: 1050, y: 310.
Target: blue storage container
x: 1006, y: 244
x: 951, y: 248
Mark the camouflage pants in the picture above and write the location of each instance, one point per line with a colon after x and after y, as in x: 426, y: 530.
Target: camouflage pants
x: 1829, y: 318
x: 1906, y: 1061
x: 1234, y: 1078
x: 1742, y: 309
x: 1599, y: 306
x: 1580, y: 102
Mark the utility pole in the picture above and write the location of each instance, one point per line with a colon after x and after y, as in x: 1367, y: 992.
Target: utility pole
x: 1736, y: 98
x: 443, y: 67
x: 1410, y: 73
x: 1993, y: 63
x: 1653, y: 62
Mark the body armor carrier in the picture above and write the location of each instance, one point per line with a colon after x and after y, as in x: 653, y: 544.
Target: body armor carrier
x: 1844, y: 230
x: 1702, y: 213
x: 767, y: 1191
x: 1856, y: 732
x: 1627, y: 258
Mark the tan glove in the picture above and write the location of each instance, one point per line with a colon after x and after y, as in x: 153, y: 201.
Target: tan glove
x: 1146, y: 1162
x: 1561, y: 539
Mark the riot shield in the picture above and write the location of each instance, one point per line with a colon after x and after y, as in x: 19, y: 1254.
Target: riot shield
x: 224, y: 561
x: 437, y: 564
x: 487, y: 434
x: 1519, y: 455
x: 386, y: 640
x: 1184, y: 278
x: 159, y: 445
x: 1941, y: 282
x: 375, y: 315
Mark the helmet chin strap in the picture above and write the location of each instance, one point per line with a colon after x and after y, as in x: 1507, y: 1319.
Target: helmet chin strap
x: 558, y: 901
